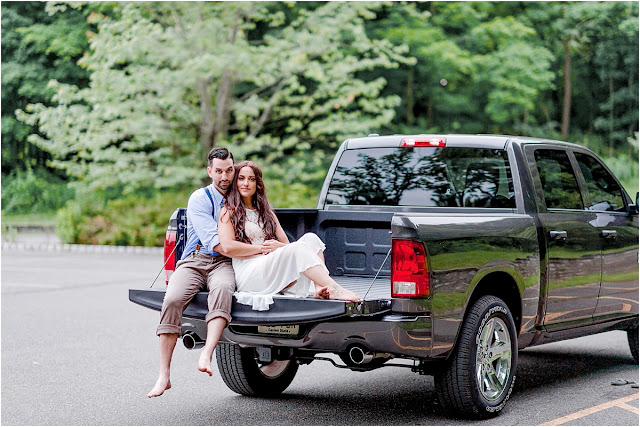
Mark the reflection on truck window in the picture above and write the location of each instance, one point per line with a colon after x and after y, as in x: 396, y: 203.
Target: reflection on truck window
x: 557, y: 179
x: 423, y: 176
x: 604, y: 191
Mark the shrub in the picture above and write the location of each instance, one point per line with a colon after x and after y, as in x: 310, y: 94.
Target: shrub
x: 626, y: 170
x: 134, y: 219
x: 32, y: 191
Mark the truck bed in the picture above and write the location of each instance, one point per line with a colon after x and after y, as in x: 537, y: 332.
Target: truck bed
x: 381, y: 288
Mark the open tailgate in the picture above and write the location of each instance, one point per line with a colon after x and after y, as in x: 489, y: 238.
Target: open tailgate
x: 284, y: 310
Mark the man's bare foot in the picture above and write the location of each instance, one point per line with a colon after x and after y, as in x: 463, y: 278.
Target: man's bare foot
x: 204, y: 363
x: 163, y: 384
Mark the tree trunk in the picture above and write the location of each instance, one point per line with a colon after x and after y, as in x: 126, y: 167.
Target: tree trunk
x: 207, y: 125
x: 611, y: 116
x: 223, y: 105
x: 409, y: 96
x: 566, y: 105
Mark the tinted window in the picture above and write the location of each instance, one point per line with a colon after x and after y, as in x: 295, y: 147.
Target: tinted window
x: 604, y: 191
x: 559, y: 184
x: 423, y: 176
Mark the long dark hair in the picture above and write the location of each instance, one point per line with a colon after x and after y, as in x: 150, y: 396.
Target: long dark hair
x: 238, y: 212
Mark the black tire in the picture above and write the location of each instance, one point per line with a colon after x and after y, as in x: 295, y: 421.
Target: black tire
x: 632, y: 337
x: 242, y: 373
x: 459, y: 385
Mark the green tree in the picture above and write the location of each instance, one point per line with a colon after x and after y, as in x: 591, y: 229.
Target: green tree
x: 171, y: 80
x: 36, y: 47
x: 614, y: 60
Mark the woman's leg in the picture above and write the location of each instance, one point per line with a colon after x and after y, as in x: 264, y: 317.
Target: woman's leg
x: 326, y: 286
x: 314, y: 242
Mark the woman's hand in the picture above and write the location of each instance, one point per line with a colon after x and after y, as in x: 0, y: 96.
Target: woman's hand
x: 271, y: 245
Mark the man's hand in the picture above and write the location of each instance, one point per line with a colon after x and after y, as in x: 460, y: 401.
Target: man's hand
x: 271, y: 245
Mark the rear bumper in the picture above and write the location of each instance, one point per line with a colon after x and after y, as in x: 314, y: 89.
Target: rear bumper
x: 400, y: 336
x: 408, y: 336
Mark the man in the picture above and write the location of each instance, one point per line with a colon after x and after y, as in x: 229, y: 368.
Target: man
x: 201, y: 265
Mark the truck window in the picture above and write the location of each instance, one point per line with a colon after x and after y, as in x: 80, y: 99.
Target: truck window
x: 559, y: 184
x: 423, y: 176
x: 604, y: 191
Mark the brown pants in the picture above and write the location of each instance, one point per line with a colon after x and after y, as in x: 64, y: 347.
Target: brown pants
x: 193, y: 273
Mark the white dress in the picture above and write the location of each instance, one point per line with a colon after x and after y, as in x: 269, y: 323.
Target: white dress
x: 260, y: 277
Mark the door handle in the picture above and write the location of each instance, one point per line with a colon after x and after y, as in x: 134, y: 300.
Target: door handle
x: 609, y: 234
x: 558, y: 235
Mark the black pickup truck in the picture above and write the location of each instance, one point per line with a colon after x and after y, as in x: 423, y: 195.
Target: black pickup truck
x: 465, y: 248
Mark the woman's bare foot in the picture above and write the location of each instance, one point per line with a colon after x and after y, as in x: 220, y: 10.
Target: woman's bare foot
x: 163, y: 384
x: 339, y: 293
x: 204, y: 363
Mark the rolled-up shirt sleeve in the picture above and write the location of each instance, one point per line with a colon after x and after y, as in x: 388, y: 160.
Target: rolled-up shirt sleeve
x: 204, y: 224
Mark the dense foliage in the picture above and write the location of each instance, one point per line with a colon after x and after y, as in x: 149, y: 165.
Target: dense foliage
x: 126, y: 98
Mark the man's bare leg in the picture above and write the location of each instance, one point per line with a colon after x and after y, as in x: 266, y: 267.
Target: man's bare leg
x: 322, y: 280
x: 167, y: 344
x: 214, y: 331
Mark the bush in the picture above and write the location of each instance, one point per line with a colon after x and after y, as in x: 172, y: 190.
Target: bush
x: 33, y: 191
x: 626, y: 170
x: 134, y: 219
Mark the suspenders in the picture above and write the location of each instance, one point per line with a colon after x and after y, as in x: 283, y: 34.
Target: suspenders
x: 213, y: 212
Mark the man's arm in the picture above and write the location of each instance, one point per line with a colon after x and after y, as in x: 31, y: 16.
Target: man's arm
x: 205, y: 227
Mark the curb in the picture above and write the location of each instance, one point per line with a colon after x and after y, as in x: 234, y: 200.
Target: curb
x: 60, y: 247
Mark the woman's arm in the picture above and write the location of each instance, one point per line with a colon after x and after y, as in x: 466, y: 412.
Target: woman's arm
x: 273, y: 244
x: 229, y: 246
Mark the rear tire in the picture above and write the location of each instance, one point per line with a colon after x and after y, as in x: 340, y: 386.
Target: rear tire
x: 477, y: 380
x: 632, y: 337
x: 242, y: 373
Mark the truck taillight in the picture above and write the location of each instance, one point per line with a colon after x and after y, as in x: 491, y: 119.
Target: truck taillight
x: 409, y: 271
x: 169, y: 254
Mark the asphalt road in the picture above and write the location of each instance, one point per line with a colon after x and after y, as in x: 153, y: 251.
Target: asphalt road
x: 75, y: 351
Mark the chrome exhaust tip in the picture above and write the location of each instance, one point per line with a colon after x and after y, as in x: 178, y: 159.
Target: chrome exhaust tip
x: 359, y: 355
x: 192, y: 341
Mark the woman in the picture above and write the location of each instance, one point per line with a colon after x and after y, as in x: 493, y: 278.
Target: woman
x: 264, y: 261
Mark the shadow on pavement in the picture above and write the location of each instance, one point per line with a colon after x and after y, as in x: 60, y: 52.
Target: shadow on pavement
x: 542, y: 367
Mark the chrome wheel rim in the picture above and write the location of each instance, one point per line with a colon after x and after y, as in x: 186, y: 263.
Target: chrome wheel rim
x: 493, y: 358
x: 275, y: 368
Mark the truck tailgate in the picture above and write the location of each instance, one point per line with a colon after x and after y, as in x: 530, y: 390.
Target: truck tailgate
x: 287, y: 310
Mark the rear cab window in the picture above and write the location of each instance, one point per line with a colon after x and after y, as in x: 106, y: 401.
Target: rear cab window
x: 452, y: 177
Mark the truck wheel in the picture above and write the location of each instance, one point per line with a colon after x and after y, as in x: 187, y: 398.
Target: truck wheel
x: 243, y: 374
x: 478, y: 378
x: 632, y: 337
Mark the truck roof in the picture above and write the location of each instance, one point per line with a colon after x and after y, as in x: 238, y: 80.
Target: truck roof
x: 459, y: 140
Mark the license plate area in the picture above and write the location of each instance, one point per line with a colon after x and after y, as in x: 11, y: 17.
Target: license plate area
x: 289, y: 330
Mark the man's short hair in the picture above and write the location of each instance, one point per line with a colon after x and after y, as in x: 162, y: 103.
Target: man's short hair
x: 219, y: 153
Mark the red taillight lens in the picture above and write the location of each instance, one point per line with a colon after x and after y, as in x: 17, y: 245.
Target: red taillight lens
x: 409, y: 271
x: 169, y: 254
x: 423, y: 142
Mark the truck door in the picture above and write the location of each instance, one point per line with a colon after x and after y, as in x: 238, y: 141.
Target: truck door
x: 618, y: 234
x: 573, y: 244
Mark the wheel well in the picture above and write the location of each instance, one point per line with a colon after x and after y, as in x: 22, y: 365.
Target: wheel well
x: 503, y: 286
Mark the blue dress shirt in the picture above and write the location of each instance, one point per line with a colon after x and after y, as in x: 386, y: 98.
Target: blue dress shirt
x: 202, y: 226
